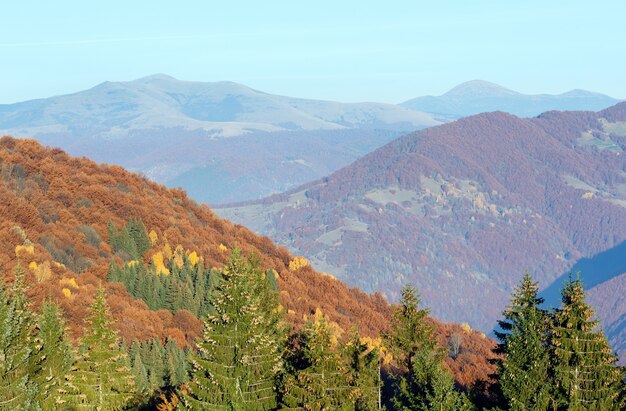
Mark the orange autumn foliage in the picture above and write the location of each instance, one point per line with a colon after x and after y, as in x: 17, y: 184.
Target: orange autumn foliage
x: 56, y: 196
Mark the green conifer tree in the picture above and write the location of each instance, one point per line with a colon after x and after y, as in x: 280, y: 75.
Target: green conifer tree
x: 524, y: 364
x: 239, y: 354
x: 101, y: 378
x: 318, y: 374
x: 137, y: 232
x: 270, y: 278
x: 127, y: 244
x: 56, y: 353
x: 364, y: 373
x: 176, y: 364
x: 585, y: 374
x: 139, y: 370
x: 425, y: 385
x: 113, y: 236
x: 154, y: 360
x: 141, y: 374
x: 19, y: 353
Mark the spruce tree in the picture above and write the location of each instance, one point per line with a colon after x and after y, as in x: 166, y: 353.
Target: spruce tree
x: 137, y: 232
x: 139, y: 370
x: 56, y: 353
x: 154, y: 360
x: 176, y: 364
x: 127, y: 244
x: 319, y: 376
x: 425, y: 385
x: 585, y: 374
x: 19, y: 353
x: 363, y: 373
x: 524, y: 362
x: 239, y: 355
x: 101, y: 378
x: 113, y: 236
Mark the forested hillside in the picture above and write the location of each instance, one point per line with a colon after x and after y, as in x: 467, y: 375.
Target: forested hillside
x: 461, y: 209
x: 72, y: 225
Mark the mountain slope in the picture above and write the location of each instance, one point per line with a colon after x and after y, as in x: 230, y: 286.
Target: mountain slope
x: 474, y: 97
x: 463, y: 209
x: 62, y: 207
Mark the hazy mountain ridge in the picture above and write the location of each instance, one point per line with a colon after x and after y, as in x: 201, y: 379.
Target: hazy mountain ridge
x: 477, y: 96
x: 221, y: 141
x: 462, y: 209
x: 188, y: 133
x: 222, y: 109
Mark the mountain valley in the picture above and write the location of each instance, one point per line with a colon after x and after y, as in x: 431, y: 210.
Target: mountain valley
x: 462, y: 210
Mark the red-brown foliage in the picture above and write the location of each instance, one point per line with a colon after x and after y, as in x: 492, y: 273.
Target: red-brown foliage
x: 53, y: 196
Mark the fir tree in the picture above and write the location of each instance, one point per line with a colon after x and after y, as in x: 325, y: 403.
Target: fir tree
x: 127, y: 244
x: 19, y: 355
x: 139, y: 370
x: 176, y: 364
x: 102, y: 378
x: 270, y: 278
x: 318, y: 374
x: 56, y: 352
x: 523, y: 368
x: 153, y: 356
x: 364, y: 373
x: 425, y: 385
x: 138, y: 234
x: 238, y: 356
x: 584, y: 367
x: 113, y: 236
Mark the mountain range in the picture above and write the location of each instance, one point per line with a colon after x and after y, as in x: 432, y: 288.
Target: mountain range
x: 462, y: 210
x: 226, y: 142
x: 477, y: 96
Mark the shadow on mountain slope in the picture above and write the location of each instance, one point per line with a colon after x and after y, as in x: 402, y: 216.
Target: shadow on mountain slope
x: 593, y: 271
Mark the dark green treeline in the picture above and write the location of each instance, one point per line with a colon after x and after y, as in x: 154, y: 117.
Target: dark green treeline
x: 248, y: 359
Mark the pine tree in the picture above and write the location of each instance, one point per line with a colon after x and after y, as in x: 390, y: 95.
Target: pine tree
x: 56, y: 352
x: 19, y: 353
x: 584, y: 366
x: 102, y: 378
x: 238, y: 356
x: 318, y: 374
x: 523, y: 368
x: 426, y: 385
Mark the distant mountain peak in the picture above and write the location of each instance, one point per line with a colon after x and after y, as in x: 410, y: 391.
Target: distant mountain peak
x: 479, y: 88
x: 579, y: 93
x: 477, y: 96
x: 154, y: 78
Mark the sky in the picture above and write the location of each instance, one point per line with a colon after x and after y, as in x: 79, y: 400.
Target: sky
x: 387, y: 51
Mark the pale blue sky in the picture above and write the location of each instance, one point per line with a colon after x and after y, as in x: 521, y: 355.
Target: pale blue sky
x: 338, y: 50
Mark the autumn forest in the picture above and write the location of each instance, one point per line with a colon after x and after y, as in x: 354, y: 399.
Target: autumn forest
x: 121, y: 294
